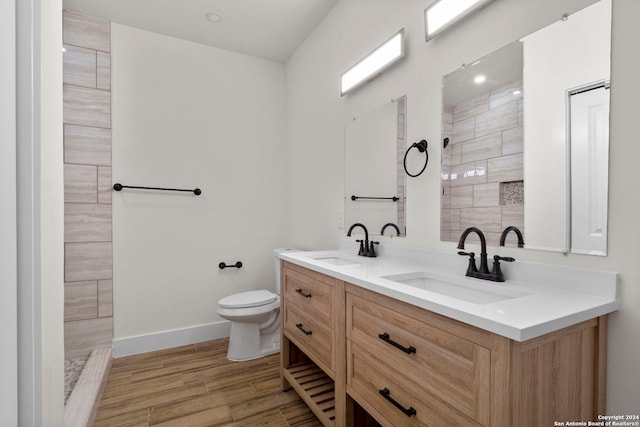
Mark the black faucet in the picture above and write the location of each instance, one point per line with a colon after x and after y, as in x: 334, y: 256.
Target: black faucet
x: 495, y: 274
x: 515, y: 229
x: 366, y: 249
x: 390, y: 224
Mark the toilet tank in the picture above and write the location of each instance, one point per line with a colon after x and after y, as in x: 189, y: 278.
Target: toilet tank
x: 276, y: 253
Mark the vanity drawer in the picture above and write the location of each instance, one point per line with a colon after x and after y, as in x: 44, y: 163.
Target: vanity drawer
x: 312, y: 336
x: 310, y: 295
x: 407, y: 403
x: 443, y: 364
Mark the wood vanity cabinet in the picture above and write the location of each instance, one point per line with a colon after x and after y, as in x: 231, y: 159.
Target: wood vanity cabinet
x: 313, y: 341
x: 406, y: 366
x: 454, y: 374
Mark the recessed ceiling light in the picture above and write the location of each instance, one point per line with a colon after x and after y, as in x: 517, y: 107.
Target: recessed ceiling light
x: 214, y: 17
x: 479, y: 79
x: 517, y: 92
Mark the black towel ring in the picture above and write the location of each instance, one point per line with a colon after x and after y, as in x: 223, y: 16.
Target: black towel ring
x: 422, y: 147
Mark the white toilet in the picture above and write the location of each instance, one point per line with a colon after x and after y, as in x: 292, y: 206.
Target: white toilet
x: 255, y: 320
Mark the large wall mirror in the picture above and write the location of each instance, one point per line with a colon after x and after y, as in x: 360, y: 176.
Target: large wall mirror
x: 525, y: 131
x: 374, y: 184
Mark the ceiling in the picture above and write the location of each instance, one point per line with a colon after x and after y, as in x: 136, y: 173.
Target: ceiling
x: 500, y: 67
x: 269, y: 29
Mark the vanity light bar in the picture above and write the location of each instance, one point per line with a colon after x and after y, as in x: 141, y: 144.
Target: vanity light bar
x: 373, y: 64
x: 442, y: 14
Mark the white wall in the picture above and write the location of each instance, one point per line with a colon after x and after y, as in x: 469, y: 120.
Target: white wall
x: 316, y: 115
x: 187, y: 115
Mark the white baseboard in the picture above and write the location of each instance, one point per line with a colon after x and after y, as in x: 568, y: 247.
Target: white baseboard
x: 168, y: 339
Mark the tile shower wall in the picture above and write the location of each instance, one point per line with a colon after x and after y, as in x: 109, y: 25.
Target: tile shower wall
x: 401, y: 141
x: 88, y: 313
x: 482, y: 166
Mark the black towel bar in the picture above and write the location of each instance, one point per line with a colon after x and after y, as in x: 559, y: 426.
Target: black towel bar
x: 394, y: 198
x: 222, y: 265
x: 118, y: 187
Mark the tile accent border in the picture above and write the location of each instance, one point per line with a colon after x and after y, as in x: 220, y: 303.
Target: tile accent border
x: 87, y: 177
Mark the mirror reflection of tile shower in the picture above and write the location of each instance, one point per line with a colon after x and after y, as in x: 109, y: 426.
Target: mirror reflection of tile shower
x: 482, y: 164
x: 527, y: 180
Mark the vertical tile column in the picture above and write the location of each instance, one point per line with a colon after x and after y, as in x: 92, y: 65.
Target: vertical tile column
x: 402, y: 177
x: 88, y: 313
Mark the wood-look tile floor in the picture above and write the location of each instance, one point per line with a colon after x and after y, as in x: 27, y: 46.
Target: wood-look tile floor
x: 195, y: 385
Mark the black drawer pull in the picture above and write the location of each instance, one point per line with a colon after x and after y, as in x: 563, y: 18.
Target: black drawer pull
x: 385, y: 337
x: 302, y: 293
x: 387, y: 395
x: 299, y: 326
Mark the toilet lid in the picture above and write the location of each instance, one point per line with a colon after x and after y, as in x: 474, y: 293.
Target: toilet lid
x: 248, y: 299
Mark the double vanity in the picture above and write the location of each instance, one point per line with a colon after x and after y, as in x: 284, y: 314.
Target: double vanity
x: 407, y: 339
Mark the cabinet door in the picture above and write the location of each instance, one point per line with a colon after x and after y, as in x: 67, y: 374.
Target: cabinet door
x: 441, y: 364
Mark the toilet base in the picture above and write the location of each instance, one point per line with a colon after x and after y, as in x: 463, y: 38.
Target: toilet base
x: 246, y: 342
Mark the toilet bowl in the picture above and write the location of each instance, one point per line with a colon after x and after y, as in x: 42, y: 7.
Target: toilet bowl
x: 255, y: 320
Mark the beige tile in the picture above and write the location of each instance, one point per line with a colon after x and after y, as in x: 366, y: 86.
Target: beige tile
x: 80, y: 184
x: 447, y: 114
x: 450, y: 219
x: 85, y: 222
x: 88, y: 261
x: 456, y: 153
x: 497, y: 120
x: 87, y: 145
x: 462, y: 197
x: 104, y: 71
x: 445, y: 157
x: 486, y: 219
x: 105, y: 298
x: 521, y: 112
x: 82, y: 336
x: 86, y: 106
x: 469, y: 173
x: 400, y: 129
x: 486, y: 195
x: 452, y: 155
x: 463, y: 130
x: 79, y: 66
x: 505, y: 94
x: 80, y: 300
x: 512, y: 141
x: 104, y: 184
x: 507, y: 168
x: 482, y: 148
x: 86, y: 31
x: 447, y: 130
x: 470, y: 108
x: 493, y: 240
x: 445, y: 194
x: 513, y: 215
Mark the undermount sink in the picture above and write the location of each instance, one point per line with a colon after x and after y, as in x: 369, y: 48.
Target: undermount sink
x: 469, y: 293
x: 336, y: 260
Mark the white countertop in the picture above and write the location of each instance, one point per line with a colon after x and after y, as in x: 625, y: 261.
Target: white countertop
x: 536, y: 298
